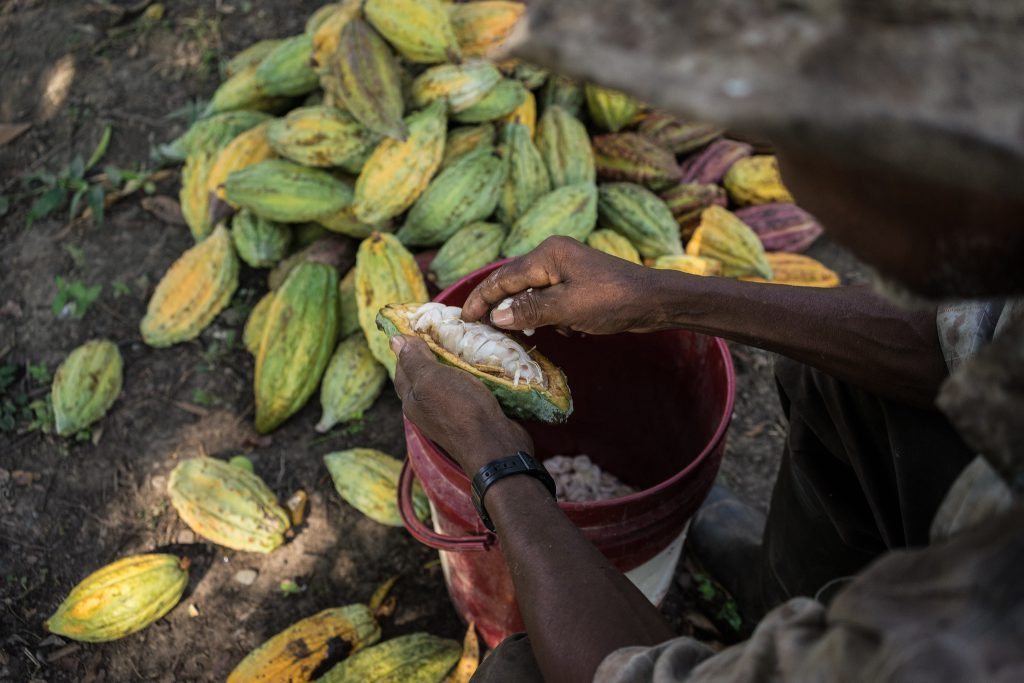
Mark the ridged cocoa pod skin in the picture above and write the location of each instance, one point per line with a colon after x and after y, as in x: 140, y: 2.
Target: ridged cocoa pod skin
x: 611, y: 242
x: 781, y: 226
x: 286, y: 71
x: 610, y: 110
x: 194, y: 197
x: 319, y: 16
x: 259, y: 242
x: 724, y: 237
x: 344, y: 222
x: 564, y: 92
x: 677, y: 136
x: 530, y: 75
x: 328, y: 33
x: 710, y: 165
x: 334, y: 250
x: 85, y: 385
x: 252, y: 333
x: 570, y: 211
x: 121, y: 598
x: 527, y: 178
x: 211, y: 134
x: 369, y: 79
x: 799, y: 271
x: 248, y: 148
x: 367, y: 479
x: 398, y: 172
x: 352, y: 382
x: 419, y: 29
x: 250, y: 56
x: 227, y: 505
x: 640, y: 216
x: 469, y: 249
x: 563, y: 142
x: 192, y: 292
x: 466, y: 191
x: 500, y: 101
x: 480, y: 27
x: 461, y: 141
x: 694, y: 265
x: 688, y: 200
x: 414, y: 658
x: 299, y: 650
x: 348, y: 310
x: 634, y: 158
x: 287, y: 192
x: 756, y: 180
x: 459, y: 85
x: 241, y: 91
x: 322, y: 137
x: 525, y: 114
x: 386, y: 273
x: 298, y: 338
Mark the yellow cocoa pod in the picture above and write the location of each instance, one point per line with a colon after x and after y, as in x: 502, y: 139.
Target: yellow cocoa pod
x: 525, y: 113
x: 399, y: 170
x: 348, y: 310
x: 121, y: 598
x: 419, y: 29
x: 386, y: 273
x: 296, y: 652
x: 227, y: 504
x: 460, y: 85
x: 248, y: 148
x: 462, y: 141
x: 322, y: 137
x: 252, y: 334
x: 85, y: 385
x: 367, y: 479
x: 352, y: 382
x: 610, y: 109
x: 611, y: 242
x: 319, y: 16
x: 345, y: 222
x: 415, y: 658
x: 695, y: 265
x: 194, y: 197
x: 192, y: 292
x: 503, y: 99
x: 328, y: 33
x: 798, y: 270
x: 756, y: 180
x: 480, y: 27
x: 724, y: 237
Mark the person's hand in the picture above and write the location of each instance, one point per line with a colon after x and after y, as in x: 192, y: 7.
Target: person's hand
x: 453, y: 409
x: 574, y: 288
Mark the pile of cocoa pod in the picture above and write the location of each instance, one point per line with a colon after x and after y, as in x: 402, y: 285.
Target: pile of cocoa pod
x: 377, y: 156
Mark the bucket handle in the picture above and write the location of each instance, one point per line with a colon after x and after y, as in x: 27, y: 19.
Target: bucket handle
x: 424, y: 534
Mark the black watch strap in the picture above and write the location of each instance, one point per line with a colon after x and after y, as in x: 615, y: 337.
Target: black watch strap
x: 520, y: 463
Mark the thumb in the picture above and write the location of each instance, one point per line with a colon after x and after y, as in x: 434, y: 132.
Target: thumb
x: 414, y: 356
x: 530, y: 309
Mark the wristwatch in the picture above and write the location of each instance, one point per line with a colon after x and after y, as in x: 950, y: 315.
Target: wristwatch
x: 519, y: 463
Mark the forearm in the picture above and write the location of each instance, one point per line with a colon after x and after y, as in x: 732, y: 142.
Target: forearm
x: 850, y: 333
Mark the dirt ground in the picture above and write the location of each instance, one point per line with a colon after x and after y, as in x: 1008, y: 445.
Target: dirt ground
x: 68, y: 507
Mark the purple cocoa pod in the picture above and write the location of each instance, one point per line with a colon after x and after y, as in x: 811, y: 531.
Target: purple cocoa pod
x: 636, y: 159
x: 781, y: 226
x: 711, y: 164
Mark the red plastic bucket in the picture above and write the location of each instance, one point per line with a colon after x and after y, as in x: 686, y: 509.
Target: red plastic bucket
x: 651, y: 409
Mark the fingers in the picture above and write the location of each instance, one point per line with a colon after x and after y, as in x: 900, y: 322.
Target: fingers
x: 536, y: 269
x: 532, y: 309
x: 414, y: 358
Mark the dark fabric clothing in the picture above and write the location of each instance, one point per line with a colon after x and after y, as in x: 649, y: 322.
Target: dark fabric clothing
x: 511, y: 662
x: 860, y: 475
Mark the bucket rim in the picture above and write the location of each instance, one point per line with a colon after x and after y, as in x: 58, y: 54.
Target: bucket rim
x: 452, y: 468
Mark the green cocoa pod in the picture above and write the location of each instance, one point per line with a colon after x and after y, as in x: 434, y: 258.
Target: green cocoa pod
x: 564, y: 92
x: 610, y: 109
x: 467, y: 191
x: 287, y: 71
x: 501, y: 100
x: 252, y: 333
x: 241, y: 91
x: 209, y: 135
x: 462, y: 141
x: 85, y: 385
x: 298, y: 338
x: 565, y: 146
x: 367, y: 479
x: 569, y: 211
x: 286, y: 192
x: 227, y: 505
x: 304, y: 234
x: 348, y: 310
x: 469, y: 249
x: 611, y: 242
x: 322, y: 137
x: 459, y: 85
x: 414, y: 658
x: 527, y: 179
x: 642, y: 217
x: 259, y: 242
x: 250, y: 56
x: 369, y: 79
x: 419, y: 29
x: 352, y: 382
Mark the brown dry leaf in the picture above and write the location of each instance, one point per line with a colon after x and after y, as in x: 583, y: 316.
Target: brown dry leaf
x: 296, y: 505
x: 9, y: 132
x: 164, y: 208
x: 379, y: 603
x: 23, y: 477
x: 470, y: 659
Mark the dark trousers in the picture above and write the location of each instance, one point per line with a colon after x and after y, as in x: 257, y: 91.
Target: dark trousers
x: 860, y: 475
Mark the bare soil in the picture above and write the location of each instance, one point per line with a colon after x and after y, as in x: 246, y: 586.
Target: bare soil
x: 69, y: 507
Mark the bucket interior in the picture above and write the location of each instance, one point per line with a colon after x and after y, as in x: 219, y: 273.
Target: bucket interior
x: 645, y: 405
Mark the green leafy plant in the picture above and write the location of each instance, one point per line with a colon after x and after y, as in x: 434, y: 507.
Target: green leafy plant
x: 70, y: 185
x: 204, y: 398
x: 73, y: 298
x: 40, y: 373
x: 120, y: 289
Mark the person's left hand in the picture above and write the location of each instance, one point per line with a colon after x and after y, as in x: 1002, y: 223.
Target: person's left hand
x: 453, y: 409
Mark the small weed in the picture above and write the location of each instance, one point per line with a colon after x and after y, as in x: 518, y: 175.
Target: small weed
x: 204, y: 398
x: 40, y: 374
x: 73, y: 298
x: 52, y: 190
x: 40, y: 417
x: 120, y: 289
x: 289, y: 587
x: 77, y: 255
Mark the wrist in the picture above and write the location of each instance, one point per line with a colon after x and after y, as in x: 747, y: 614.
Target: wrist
x: 677, y: 299
x: 483, y: 446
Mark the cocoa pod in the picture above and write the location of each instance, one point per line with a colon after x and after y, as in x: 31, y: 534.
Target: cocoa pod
x: 194, y: 198
x: 250, y: 56
x: 335, y: 251
x: 252, y: 333
x: 459, y: 85
x: 286, y: 71
x: 694, y: 265
x: 756, y: 180
x: 85, y: 385
x: 480, y: 27
x: 641, y: 216
x: 469, y: 249
x: 687, y: 201
x: 259, y: 242
x: 348, y: 310
x: 328, y: 34
x: 414, y: 658
x: 352, y: 382
x: 711, y: 163
x: 724, y: 237
x: 563, y: 142
x: 781, y: 227
x: 241, y: 91
x: 525, y: 114
x: 323, y: 137
x: 676, y: 136
x: 527, y: 178
x: 634, y: 158
x: 192, y: 292
x: 419, y: 29
x: 611, y: 242
x: 367, y: 479
x: 570, y: 211
x: 286, y: 192
x: 344, y: 222
x: 369, y: 80
x: 248, y: 148
x: 211, y: 134
x: 798, y: 270
x: 462, y: 141
x: 563, y: 92
x: 503, y: 99
x: 611, y: 110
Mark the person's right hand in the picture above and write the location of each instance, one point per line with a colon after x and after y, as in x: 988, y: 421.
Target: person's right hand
x: 574, y: 288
